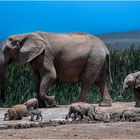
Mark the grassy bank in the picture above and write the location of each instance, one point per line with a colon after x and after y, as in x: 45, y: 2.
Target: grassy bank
x: 19, y: 86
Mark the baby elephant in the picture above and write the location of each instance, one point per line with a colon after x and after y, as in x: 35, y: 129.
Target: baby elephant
x: 133, y: 81
x: 16, y: 112
x: 35, y: 112
x: 81, y: 109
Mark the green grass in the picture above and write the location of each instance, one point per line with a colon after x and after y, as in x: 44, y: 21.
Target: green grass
x: 20, y: 87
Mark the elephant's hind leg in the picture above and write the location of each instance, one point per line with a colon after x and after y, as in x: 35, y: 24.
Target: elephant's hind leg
x: 88, y: 77
x: 101, y: 83
x: 105, y: 97
x: 84, y: 90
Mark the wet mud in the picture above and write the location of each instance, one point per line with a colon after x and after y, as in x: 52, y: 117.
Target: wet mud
x: 105, y: 117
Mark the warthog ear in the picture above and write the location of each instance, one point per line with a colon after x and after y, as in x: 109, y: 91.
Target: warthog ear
x: 137, y: 82
x: 30, y: 47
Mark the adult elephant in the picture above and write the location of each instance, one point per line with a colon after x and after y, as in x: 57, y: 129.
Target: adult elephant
x: 70, y: 57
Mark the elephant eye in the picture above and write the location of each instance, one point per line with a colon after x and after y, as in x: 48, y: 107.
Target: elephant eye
x: 15, y: 43
x: 10, y: 39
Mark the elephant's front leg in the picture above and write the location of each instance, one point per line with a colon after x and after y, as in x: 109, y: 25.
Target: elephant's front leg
x: 47, y: 78
x: 36, y: 78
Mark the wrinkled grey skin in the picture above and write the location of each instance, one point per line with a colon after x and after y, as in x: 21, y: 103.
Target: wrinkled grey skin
x: 133, y: 81
x: 69, y: 57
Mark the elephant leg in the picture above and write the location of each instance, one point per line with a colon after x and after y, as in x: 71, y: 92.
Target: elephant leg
x: 106, y: 100
x: 137, y: 98
x: 47, y: 79
x: 90, y: 74
x: 36, y: 78
x: 2, y: 90
x: 2, y: 84
x: 84, y: 90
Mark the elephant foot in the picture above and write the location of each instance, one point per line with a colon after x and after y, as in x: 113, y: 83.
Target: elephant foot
x: 51, y: 101
x: 41, y: 104
x: 107, y: 103
x: 137, y: 105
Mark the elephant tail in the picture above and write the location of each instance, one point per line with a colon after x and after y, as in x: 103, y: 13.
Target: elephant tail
x: 109, y: 63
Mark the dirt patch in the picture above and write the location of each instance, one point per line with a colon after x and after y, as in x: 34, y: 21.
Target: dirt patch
x: 125, y: 116
x: 119, y: 112
x: 122, y: 120
x: 120, y: 130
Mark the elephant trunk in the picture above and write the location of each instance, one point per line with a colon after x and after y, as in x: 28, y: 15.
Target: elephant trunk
x: 124, y: 88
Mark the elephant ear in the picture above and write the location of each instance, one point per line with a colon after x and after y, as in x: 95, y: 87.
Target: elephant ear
x: 30, y: 48
x: 137, y: 82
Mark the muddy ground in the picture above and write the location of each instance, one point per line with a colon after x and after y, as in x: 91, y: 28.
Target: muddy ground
x: 120, y: 130
x: 123, y: 122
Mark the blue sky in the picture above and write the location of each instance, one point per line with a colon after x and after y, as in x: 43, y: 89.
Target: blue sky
x: 92, y: 17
